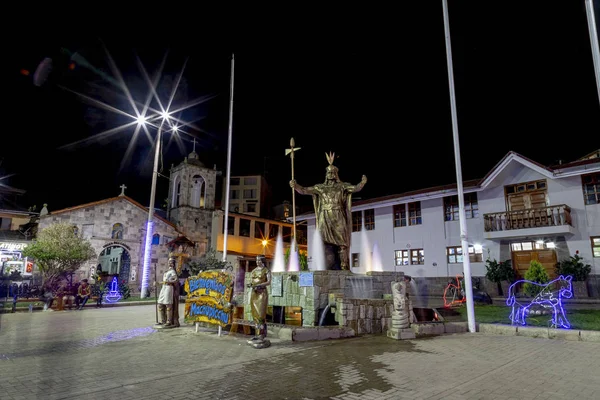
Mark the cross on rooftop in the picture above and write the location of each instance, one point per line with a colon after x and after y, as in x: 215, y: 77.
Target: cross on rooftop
x: 123, y: 187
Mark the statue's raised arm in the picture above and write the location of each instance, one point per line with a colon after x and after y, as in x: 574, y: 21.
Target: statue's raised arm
x: 301, y: 189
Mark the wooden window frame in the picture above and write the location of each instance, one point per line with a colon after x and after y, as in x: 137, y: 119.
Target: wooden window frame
x: 369, y: 217
x: 402, y: 255
x: 356, y: 221
x: 595, y: 247
x: 419, y: 254
x: 451, y: 206
x: 474, y: 256
x: 417, y: 218
x: 400, y: 217
x: 595, y: 183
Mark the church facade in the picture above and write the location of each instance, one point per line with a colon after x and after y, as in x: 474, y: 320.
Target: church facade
x: 115, y: 227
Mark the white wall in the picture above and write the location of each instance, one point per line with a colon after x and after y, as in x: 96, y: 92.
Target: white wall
x: 435, y: 234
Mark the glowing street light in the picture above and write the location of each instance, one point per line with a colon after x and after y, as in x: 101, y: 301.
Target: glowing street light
x: 149, y: 224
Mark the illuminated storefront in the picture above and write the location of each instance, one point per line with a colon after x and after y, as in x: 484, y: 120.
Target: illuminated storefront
x: 11, y: 259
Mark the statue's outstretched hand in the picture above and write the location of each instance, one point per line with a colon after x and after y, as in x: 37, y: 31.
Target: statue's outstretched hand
x: 293, y: 184
x: 364, y: 179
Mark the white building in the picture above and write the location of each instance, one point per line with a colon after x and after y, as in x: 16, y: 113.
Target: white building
x: 249, y: 195
x: 520, y: 211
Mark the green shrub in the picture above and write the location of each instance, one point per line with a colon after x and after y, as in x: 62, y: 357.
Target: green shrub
x: 535, y: 273
x: 575, y: 267
x: 499, y: 271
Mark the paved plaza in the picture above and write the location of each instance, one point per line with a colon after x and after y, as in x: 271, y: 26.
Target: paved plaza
x: 114, y: 353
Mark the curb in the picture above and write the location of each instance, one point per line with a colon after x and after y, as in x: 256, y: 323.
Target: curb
x: 104, y: 305
x: 540, y: 332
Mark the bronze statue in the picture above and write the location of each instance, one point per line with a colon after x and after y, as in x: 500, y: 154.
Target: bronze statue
x: 333, y: 209
x: 259, y: 299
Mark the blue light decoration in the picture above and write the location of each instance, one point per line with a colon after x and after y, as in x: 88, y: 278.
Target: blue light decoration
x: 113, y: 295
x: 550, y: 296
x: 147, y: 256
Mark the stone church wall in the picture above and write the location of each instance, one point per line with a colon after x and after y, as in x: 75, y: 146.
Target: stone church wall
x: 102, y: 218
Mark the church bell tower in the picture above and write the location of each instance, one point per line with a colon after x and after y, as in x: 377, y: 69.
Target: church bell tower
x: 191, y: 200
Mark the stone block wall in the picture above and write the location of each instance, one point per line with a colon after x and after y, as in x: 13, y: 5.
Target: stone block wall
x: 365, y: 315
x: 328, y: 284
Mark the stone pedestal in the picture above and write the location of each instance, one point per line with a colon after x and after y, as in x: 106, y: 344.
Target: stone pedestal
x: 401, y: 334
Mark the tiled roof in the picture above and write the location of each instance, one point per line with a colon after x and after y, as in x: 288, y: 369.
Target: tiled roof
x: 110, y: 200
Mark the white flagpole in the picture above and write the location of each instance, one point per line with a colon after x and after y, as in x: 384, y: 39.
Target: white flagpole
x: 459, y: 183
x: 591, y: 19
x: 228, y: 177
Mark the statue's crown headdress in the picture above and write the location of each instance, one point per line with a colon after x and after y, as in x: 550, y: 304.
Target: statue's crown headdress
x: 330, y: 157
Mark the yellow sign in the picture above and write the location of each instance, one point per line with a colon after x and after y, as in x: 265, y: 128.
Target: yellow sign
x: 208, y: 298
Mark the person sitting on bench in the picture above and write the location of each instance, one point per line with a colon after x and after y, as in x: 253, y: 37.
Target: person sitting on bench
x: 83, y: 294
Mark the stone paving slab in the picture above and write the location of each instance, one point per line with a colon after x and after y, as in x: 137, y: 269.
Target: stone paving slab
x: 97, y: 355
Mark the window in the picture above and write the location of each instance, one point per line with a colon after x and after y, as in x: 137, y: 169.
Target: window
x: 117, y: 231
x: 249, y: 207
x: 287, y: 234
x: 529, y: 246
x: 596, y: 246
x: 417, y: 257
x: 250, y: 193
x: 176, y: 192
x: 401, y: 257
x: 234, y: 194
x: 451, y: 207
x: 155, y: 239
x: 234, y: 182
x: 454, y: 254
x: 244, y: 227
x: 230, y: 224
x: 414, y: 213
x: 399, y: 215
x: 591, y: 188
x: 198, y: 191
x: 250, y: 181
x: 370, y: 219
x: 259, y: 230
x: 355, y: 260
x: 356, y: 221
x: 273, y: 230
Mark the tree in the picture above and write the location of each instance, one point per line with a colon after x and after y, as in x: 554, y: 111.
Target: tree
x: 535, y: 273
x: 209, y: 261
x: 58, y: 251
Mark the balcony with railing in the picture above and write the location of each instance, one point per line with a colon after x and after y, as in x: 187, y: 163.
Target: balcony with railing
x: 533, y: 221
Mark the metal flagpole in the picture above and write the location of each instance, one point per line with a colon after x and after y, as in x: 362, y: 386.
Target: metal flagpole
x: 228, y: 178
x: 290, y: 151
x: 459, y: 183
x: 591, y: 19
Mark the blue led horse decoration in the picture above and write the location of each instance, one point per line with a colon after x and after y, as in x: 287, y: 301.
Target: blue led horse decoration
x: 548, y: 297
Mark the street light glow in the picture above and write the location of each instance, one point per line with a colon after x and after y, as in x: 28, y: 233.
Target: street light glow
x: 141, y: 120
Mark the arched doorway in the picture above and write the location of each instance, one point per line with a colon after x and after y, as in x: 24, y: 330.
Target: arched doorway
x: 115, y: 260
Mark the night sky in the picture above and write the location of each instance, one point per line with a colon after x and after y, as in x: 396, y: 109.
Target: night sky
x: 371, y: 87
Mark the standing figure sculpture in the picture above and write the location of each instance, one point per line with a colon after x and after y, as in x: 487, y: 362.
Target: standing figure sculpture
x: 333, y: 209
x: 168, y: 298
x: 259, y: 299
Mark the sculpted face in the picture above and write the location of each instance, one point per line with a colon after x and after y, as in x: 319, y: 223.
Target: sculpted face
x: 171, y: 263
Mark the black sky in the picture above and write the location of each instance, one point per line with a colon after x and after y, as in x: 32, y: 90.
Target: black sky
x: 370, y: 85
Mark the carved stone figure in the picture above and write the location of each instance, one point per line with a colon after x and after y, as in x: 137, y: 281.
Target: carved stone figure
x: 332, y: 202
x: 402, y: 313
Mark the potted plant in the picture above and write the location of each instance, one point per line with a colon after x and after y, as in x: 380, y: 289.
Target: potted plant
x: 575, y: 267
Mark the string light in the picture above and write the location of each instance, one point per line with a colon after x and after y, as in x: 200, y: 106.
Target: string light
x: 546, y: 298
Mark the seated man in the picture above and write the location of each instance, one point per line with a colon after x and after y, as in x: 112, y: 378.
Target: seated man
x: 67, y: 296
x: 83, y: 294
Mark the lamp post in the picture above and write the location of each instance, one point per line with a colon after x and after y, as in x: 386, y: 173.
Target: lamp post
x: 149, y: 224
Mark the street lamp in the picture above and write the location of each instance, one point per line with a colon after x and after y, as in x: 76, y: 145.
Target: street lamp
x: 149, y: 224
x: 264, y: 242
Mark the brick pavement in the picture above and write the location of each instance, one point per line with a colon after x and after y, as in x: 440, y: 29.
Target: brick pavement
x: 115, y: 354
